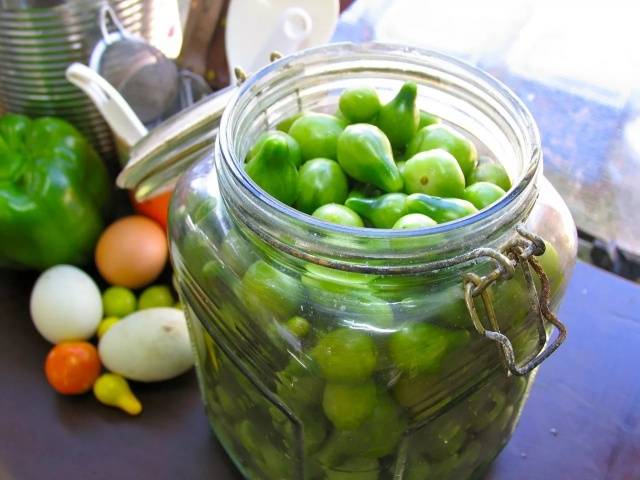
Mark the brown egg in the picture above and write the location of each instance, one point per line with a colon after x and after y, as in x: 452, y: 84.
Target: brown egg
x: 131, y: 252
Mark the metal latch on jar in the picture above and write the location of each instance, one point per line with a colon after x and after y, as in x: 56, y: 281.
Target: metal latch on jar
x: 521, y: 251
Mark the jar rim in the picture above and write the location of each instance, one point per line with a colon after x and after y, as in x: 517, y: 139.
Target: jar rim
x: 229, y: 163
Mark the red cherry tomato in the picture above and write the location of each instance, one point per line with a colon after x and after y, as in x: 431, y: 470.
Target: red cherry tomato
x: 72, y: 367
x: 156, y: 208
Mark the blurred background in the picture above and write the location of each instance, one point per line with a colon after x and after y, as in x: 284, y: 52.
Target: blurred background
x: 574, y: 64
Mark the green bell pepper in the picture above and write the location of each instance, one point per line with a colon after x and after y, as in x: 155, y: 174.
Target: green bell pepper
x: 54, y: 193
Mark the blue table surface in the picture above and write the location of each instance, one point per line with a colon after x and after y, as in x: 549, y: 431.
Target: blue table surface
x: 582, y: 420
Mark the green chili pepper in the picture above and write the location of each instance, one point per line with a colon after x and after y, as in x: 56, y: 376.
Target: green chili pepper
x: 382, y: 212
x: 440, y: 209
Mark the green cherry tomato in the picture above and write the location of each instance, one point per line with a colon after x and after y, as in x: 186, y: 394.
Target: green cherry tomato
x: 294, y: 149
x: 482, y: 194
x: 345, y: 355
x: 434, y: 172
x: 490, y: 171
x: 355, y: 468
x: 414, y: 220
x: 444, y: 437
x: 336, y: 213
x: 427, y: 119
x: 382, y: 212
x: 274, y: 171
x: 552, y: 266
x: 399, y: 119
x: 421, y: 347
x: 299, y: 326
x: 285, y: 124
x: 442, y: 210
x: 269, y: 291
x: 320, y: 181
x: 118, y: 302
x: 156, y: 296
x: 299, y: 387
x: 348, y: 405
x: 359, y: 104
x: 377, y: 436
x: 411, y: 390
x: 364, y: 153
x: 317, y: 134
x: 449, y: 139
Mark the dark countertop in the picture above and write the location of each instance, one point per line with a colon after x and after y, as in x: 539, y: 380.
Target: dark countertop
x: 582, y: 420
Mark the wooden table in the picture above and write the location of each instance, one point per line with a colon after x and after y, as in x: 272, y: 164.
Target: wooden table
x: 582, y: 420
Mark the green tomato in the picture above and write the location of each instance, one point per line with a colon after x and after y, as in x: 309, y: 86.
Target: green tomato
x: 299, y: 387
x: 268, y: 291
x: 414, y: 220
x: 359, y: 104
x: 348, y: 405
x: 427, y: 119
x: 320, y: 181
x: 294, y: 149
x: 298, y: 326
x: 444, y: 436
x: 345, y: 355
x: 274, y: 171
x: 382, y: 211
x: 118, y: 302
x: 434, y: 172
x: 421, y: 347
x: 399, y: 119
x: 236, y: 252
x: 285, y: 124
x: 485, y: 406
x: 339, y: 214
x: 365, y: 154
x: 156, y: 296
x: 449, y: 139
x: 552, y: 266
x: 354, y: 468
x: 492, y: 172
x: 411, y: 390
x: 317, y: 134
x: 377, y: 436
x: 482, y: 194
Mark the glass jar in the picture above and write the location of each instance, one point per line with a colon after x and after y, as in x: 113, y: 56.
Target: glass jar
x: 334, y: 352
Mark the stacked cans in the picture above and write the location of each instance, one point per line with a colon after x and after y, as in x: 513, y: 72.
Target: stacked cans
x: 39, y: 39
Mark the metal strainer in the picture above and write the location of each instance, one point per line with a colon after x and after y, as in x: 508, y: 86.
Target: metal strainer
x: 145, y: 77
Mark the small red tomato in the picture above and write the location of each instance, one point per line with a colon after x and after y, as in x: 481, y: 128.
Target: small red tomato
x: 156, y: 208
x: 72, y: 367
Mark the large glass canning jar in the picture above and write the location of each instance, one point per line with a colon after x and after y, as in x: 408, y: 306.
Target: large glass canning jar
x: 331, y: 352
